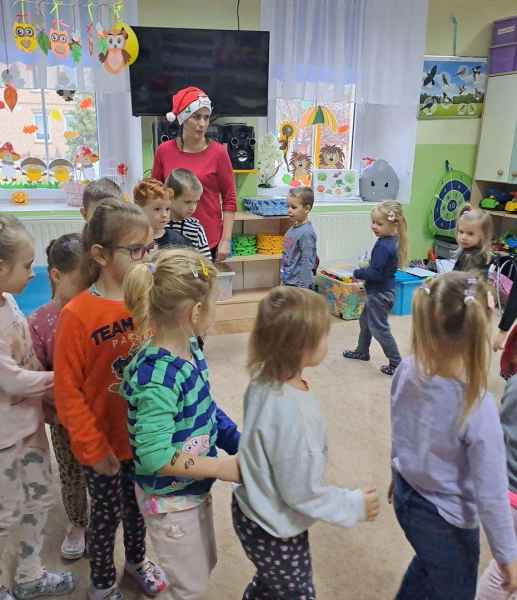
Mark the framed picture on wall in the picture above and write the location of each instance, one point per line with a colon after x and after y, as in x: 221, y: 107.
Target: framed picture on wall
x: 453, y: 87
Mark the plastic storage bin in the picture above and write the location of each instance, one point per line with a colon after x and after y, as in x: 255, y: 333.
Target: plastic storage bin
x: 405, y: 286
x: 224, y: 283
x: 504, y: 31
x: 445, y: 247
x: 345, y: 300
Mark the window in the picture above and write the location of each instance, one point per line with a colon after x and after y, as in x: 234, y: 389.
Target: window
x: 40, y: 132
x: 45, y: 126
x: 316, y: 141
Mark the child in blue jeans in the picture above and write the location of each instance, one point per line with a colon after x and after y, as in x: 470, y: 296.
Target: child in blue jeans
x: 448, y: 454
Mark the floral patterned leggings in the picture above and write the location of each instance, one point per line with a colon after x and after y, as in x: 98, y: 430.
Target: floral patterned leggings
x: 112, y: 499
x: 284, y: 566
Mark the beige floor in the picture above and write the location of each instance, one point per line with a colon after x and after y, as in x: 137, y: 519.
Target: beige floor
x: 364, y: 563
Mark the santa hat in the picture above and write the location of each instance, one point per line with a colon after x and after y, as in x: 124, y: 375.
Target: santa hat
x: 186, y: 102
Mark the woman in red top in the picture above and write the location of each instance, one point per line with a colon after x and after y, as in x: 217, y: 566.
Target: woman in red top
x: 208, y: 160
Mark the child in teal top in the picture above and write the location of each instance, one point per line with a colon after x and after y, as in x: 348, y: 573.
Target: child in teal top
x: 173, y: 421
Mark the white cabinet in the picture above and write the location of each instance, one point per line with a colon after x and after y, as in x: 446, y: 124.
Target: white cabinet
x: 498, y: 143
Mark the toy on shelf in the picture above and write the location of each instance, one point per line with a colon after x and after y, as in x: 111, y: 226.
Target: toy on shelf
x: 495, y: 199
x: 378, y: 182
x: 270, y: 207
x: 270, y: 243
x: 511, y: 205
x: 244, y: 245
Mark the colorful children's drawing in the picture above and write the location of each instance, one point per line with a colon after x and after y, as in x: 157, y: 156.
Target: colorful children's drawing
x: 300, y: 168
x: 453, y: 87
x: 336, y: 185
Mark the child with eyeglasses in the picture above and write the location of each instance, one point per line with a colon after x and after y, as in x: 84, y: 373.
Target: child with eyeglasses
x: 94, y: 340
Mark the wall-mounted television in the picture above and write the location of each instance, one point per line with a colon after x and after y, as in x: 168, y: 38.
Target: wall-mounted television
x: 232, y: 67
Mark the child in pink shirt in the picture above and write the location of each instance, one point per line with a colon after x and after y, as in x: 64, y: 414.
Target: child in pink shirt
x: 63, y: 255
x: 25, y: 479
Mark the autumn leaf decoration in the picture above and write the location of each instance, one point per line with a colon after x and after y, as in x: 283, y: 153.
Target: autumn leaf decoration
x: 10, y: 96
x: 43, y: 41
x: 30, y: 129
x: 86, y: 104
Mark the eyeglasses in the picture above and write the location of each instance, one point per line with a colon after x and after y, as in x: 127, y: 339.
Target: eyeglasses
x: 137, y: 252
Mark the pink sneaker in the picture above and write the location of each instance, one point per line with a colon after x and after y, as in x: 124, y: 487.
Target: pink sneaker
x: 149, y: 576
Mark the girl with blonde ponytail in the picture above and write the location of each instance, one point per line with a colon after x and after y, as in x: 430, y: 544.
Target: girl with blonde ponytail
x: 174, y: 424
x: 390, y: 251
x: 448, y: 455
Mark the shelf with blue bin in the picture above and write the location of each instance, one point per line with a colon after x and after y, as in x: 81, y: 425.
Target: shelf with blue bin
x: 405, y: 286
x: 267, y: 207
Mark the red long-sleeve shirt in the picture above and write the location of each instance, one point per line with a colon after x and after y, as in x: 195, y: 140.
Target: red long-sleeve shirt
x: 213, y: 168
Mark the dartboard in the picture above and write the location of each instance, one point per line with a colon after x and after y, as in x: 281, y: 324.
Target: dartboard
x: 451, y: 194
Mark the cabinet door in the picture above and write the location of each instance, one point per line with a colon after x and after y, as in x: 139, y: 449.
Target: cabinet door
x: 498, y: 129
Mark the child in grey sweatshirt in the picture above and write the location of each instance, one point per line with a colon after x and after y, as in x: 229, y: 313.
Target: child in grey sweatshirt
x: 283, y: 449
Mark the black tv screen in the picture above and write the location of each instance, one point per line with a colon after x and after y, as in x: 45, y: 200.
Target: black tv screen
x: 232, y: 67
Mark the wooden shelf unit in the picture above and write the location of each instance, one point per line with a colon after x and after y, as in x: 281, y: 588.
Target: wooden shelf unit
x: 255, y: 275
x: 253, y: 258
x: 503, y: 214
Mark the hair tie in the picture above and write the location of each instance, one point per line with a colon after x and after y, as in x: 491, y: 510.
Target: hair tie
x: 391, y: 216
x: 151, y: 267
x: 204, y: 268
x: 470, y: 290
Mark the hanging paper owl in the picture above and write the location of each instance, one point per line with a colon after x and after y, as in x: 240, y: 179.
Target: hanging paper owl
x: 25, y: 36
x: 59, y: 42
x: 116, y: 57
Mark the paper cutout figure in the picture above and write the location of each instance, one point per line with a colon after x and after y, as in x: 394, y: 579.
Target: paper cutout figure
x: 8, y: 157
x: 379, y: 182
x: 84, y: 161
x: 61, y: 170
x: 300, y: 168
x: 118, y: 48
x: 24, y: 35
x: 33, y: 168
x: 332, y: 157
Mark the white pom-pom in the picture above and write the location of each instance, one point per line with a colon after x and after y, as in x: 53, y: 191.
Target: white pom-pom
x: 171, y: 117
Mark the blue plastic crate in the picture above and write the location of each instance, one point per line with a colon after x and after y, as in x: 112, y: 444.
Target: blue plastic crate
x: 405, y: 286
x: 267, y: 207
x: 36, y: 293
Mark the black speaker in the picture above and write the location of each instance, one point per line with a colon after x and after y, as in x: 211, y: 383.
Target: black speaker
x: 164, y: 131
x: 241, y: 144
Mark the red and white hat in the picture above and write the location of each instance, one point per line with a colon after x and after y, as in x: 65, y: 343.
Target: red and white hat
x: 186, y: 102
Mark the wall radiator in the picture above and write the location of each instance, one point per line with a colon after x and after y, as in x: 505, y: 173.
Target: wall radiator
x: 43, y: 230
x: 341, y: 236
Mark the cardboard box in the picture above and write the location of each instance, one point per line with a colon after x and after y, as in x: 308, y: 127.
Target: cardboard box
x: 345, y: 300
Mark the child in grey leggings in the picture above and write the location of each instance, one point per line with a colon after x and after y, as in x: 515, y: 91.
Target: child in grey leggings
x: 390, y: 250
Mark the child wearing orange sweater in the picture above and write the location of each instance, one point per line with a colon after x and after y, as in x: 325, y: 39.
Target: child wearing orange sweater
x: 94, y: 338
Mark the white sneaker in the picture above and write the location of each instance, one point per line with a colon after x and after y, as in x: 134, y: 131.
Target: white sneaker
x: 74, y: 544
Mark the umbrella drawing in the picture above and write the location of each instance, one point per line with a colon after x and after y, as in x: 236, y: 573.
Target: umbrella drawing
x: 318, y: 116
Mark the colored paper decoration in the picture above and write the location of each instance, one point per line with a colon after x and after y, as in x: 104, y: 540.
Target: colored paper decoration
x: 24, y: 35
x: 118, y: 48
x: 86, y: 104
x: 33, y: 168
x: 61, y: 170
x: 30, y: 129
x: 56, y: 115
x: 319, y: 116
x: 71, y: 135
x: 122, y: 169
x: 43, y: 41
x: 10, y: 96
x: 8, y: 157
x: 2, y: 105
x: 76, y: 49
x: 20, y: 198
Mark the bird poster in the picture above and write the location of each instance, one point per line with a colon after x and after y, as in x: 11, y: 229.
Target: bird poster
x: 453, y: 87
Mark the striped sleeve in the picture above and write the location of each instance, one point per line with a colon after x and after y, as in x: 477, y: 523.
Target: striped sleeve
x: 202, y: 244
x: 194, y: 231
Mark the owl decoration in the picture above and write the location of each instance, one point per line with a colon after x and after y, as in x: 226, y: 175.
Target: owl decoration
x: 118, y: 48
x: 25, y: 36
x: 59, y: 42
